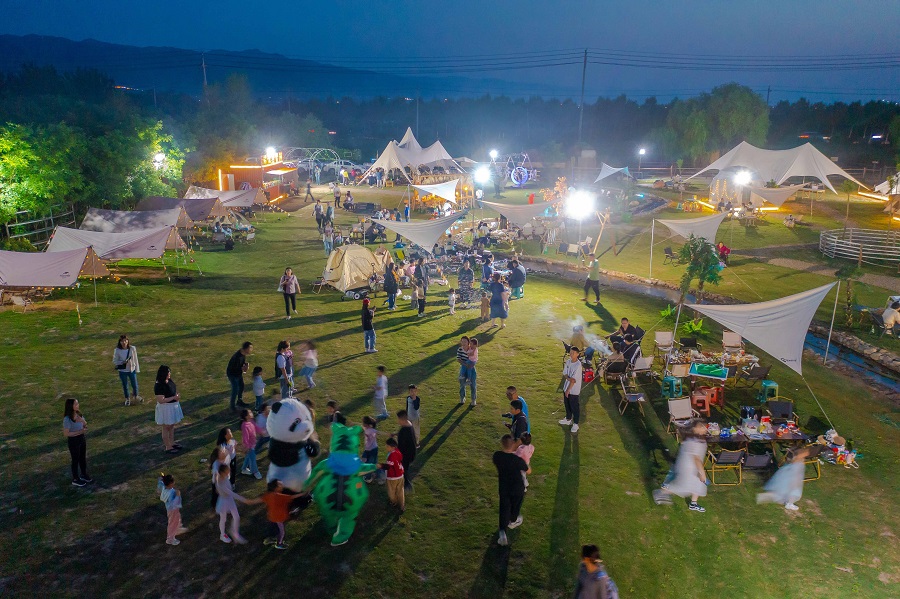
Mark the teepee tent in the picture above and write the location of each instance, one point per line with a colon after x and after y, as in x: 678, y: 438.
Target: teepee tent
x: 606, y: 171
x: 350, y: 266
x: 423, y: 233
x: 705, y: 227
x: 779, y: 165
x: 56, y: 269
x: 409, y: 141
x: 519, y: 214
x: 446, y: 191
x: 143, y: 243
x: 121, y: 221
x: 198, y: 209
x: 777, y: 327
x: 775, y: 196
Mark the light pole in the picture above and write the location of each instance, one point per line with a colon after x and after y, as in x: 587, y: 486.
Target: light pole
x: 641, y: 153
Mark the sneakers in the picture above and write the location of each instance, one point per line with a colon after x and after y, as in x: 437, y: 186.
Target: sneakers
x: 77, y: 482
x: 87, y: 479
x: 246, y: 471
x: 312, y: 385
x: 565, y: 422
x: 281, y: 545
x: 225, y: 539
x: 295, y: 311
x: 517, y: 523
x: 502, y: 540
x: 287, y: 317
x: 139, y: 398
x: 173, y: 542
x: 474, y: 403
x: 181, y: 530
x: 791, y: 506
x: 127, y: 402
x: 270, y: 541
x: 694, y: 507
x: 257, y: 475
x: 462, y: 401
x: 574, y: 428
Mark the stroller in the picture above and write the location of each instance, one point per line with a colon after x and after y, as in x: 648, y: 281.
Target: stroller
x: 375, y: 284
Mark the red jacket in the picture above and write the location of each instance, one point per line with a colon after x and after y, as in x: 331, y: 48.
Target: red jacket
x: 394, y: 464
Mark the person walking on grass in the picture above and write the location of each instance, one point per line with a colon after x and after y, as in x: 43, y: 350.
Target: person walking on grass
x: 593, y: 581
x: 413, y: 404
x: 226, y: 504
x: 125, y: 359
x: 420, y: 297
x: 319, y: 213
x: 499, y: 301
x: 328, y: 238
x: 690, y: 476
x: 309, y: 195
x: 278, y: 505
x: 391, y: 285
x: 368, y: 326
x: 593, y: 278
x: 336, y: 191
x: 310, y: 362
x: 467, y: 356
x: 370, y: 445
x: 289, y: 287
x: 262, y: 434
x: 394, y: 471
x: 171, y: 497
x: 248, y: 440
x: 406, y: 443
x: 572, y: 375
x: 284, y: 370
x: 510, y: 468
x: 380, y: 390
x: 168, y: 407
x: 786, y: 486
x: 74, y: 428
x: 235, y: 370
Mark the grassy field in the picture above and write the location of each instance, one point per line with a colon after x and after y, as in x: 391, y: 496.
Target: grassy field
x: 593, y: 487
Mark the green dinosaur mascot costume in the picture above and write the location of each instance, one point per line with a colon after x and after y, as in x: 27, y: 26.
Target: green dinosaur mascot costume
x: 337, y: 480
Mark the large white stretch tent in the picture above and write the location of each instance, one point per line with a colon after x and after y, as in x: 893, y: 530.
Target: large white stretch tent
x: 146, y: 243
x: 423, y: 233
x: 445, y: 190
x: 57, y: 269
x: 519, y: 214
x: 777, y: 327
x: 705, y: 227
x: 779, y: 165
x: 409, y: 153
x: 773, y: 195
x: 606, y: 171
x: 121, y: 221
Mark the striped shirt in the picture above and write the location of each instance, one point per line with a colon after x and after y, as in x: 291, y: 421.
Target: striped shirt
x: 461, y: 354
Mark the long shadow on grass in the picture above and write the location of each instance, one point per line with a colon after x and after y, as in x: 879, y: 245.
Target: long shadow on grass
x: 606, y: 320
x: 564, y: 526
x: 423, y: 456
x: 491, y: 580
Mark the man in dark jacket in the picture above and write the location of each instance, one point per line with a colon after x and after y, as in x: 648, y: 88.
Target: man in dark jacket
x: 511, y: 486
x: 517, y: 280
x: 406, y: 443
x: 235, y: 370
x: 519, y: 423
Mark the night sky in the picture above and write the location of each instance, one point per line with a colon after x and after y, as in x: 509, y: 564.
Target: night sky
x: 369, y: 34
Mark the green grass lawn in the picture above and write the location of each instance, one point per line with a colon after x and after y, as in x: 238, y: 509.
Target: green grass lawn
x: 593, y: 487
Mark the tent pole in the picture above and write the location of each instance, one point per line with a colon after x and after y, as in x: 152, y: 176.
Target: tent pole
x: 674, y: 332
x: 831, y: 328
x: 652, y: 232
x: 94, y: 275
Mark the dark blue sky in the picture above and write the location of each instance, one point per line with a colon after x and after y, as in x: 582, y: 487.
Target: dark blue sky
x: 378, y: 30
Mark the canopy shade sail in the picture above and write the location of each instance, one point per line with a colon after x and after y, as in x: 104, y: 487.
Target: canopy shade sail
x: 198, y: 209
x: 778, y: 327
x: 57, y: 269
x: 519, y: 214
x: 423, y: 233
x: 775, y: 196
x: 145, y: 243
x: 121, y: 221
x: 606, y: 171
x: 445, y: 190
x: 779, y: 165
x: 705, y: 226
x: 887, y: 189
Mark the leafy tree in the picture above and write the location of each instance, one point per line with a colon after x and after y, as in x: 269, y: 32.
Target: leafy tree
x: 702, y: 264
x: 737, y: 113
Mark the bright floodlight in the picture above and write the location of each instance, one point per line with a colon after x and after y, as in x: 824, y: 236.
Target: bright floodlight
x: 642, y: 151
x: 270, y: 153
x: 494, y: 154
x: 160, y: 157
x: 579, y: 205
x: 482, y: 175
x: 742, y: 178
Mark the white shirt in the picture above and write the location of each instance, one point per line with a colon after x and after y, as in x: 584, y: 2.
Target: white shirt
x: 573, y: 370
x: 259, y: 386
x: 381, y: 387
x: 890, y: 317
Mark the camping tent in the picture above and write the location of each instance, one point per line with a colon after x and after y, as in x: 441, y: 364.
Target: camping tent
x: 445, y: 190
x: 777, y: 327
x: 57, y: 269
x: 198, y: 209
x: 350, y: 266
x: 519, y: 214
x: 120, y: 221
x: 241, y: 198
x: 143, y: 243
x: 773, y: 195
x: 779, y: 165
x: 423, y: 233
x: 606, y: 171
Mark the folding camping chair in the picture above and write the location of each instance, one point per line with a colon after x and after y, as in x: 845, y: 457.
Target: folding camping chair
x: 753, y: 375
x: 630, y: 397
x: 732, y: 342
x: 670, y: 256
x: 641, y: 366
x: 724, y: 461
x: 665, y: 343
x: 614, y: 371
x: 689, y: 343
x: 680, y: 413
x: 782, y: 412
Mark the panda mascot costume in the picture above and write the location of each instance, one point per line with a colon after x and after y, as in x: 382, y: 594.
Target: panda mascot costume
x: 292, y: 444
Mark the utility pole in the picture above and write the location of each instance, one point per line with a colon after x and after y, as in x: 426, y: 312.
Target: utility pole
x: 417, y: 114
x: 203, y: 65
x: 581, y: 111
x: 768, y: 92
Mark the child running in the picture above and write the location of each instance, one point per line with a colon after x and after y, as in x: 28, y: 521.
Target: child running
x: 278, y: 506
x: 170, y: 496
x: 786, y: 486
x: 259, y: 386
x: 394, y: 468
x: 381, y: 390
x: 248, y: 440
x: 225, y: 505
x: 310, y: 362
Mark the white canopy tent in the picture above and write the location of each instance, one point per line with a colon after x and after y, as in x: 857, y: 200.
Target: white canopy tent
x: 778, y: 327
x: 144, y: 243
x: 705, y: 227
x: 519, y: 214
x: 409, y: 153
x: 242, y: 198
x: 198, y: 209
x: 424, y: 233
x: 446, y: 191
x: 121, y: 221
x: 886, y: 189
x: 773, y: 195
x: 409, y: 141
x: 606, y: 171
x: 779, y: 165
x: 41, y: 269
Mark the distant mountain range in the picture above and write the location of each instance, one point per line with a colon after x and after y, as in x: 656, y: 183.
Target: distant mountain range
x: 270, y: 75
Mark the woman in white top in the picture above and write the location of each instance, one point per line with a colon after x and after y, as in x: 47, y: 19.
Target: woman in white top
x: 289, y: 287
x: 125, y: 359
